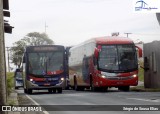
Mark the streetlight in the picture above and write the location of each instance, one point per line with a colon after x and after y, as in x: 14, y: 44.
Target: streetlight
x: 127, y: 34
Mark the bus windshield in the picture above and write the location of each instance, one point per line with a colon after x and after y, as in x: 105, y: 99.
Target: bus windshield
x: 117, y: 58
x: 45, y: 63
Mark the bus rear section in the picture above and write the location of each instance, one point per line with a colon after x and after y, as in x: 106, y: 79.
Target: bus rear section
x: 44, y: 68
x: 105, y: 62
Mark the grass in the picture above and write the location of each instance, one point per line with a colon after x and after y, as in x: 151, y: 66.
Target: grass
x: 142, y: 89
x: 141, y: 74
x: 11, y: 102
x: 10, y: 82
x: 141, y: 71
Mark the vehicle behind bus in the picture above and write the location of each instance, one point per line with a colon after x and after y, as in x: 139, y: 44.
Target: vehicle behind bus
x: 105, y: 62
x: 18, y: 79
x: 44, y: 68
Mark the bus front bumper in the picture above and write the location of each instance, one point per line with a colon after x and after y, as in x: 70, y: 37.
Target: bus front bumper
x: 117, y: 83
x: 32, y: 85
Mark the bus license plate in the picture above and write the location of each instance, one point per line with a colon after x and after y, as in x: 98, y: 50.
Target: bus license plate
x: 46, y: 84
x: 119, y: 82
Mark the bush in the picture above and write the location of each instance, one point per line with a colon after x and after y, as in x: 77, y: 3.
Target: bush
x: 10, y: 82
x: 141, y: 71
x: 141, y: 74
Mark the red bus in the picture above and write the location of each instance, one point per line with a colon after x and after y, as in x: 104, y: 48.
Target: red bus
x: 104, y: 62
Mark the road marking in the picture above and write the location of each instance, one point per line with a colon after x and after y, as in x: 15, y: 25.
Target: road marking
x: 45, y: 112
x: 149, y: 100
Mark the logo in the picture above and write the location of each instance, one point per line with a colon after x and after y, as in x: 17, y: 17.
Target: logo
x: 21, y: 108
x: 152, y: 6
x: 6, y: 108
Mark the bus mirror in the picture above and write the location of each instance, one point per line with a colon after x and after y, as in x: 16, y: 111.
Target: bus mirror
x: 139, y: 51
x: 96, y: 52
x: 99, y: 47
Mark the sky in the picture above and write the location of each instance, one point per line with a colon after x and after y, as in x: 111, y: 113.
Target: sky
x: 70, y: 22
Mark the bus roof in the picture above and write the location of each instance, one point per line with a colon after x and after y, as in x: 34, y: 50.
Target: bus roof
x: 113, y: 40
x: 44, y: 48
x: 107, y: 40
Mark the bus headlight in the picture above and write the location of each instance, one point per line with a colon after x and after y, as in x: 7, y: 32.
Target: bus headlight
x: 62, y: 79
x: 134, y: 76
x: 31, y: 79
x: 103, y: 76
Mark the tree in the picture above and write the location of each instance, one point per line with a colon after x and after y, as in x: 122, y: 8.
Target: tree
x: 36, y: 38
x: 31, y: 39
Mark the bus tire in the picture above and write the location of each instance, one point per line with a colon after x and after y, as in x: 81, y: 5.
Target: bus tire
x: 29, y: 91
x: 75, y: 84
x: 91, y: 84
x: 124, y: 88
x: 103, y: 89
x: 81, y: 88
x: 25, y: 90
x: 59, y: 90
x: 67, y: 88
x: 50, y: 90
x: 16, y: 87
x: 54, y: 90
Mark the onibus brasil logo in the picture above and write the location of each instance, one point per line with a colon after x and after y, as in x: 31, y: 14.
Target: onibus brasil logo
x: 142, y: 5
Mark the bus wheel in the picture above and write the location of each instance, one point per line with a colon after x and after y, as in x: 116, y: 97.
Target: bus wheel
x: 16, y: 87
x: 104, y: 89
x: 81, y: 88
x: 75, y: 84
x: 54, y: 90
x: 59, y: 90
x: 124, y: 88
x: 29, y: 91
x: 50, y: 90
x: 92, y: 85
x: 25, y: 90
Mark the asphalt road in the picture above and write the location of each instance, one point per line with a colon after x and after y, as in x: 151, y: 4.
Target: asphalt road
x: 112, y: 97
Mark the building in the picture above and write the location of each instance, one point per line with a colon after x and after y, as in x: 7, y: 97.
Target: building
x: 158, y: 17
x: 152, y: 64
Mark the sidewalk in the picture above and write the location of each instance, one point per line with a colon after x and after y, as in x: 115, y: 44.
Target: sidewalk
x: 24, y: 100
x: 140, y: 88
x: 21, y: 99
x: 140, y: 83
x: 13, y: 98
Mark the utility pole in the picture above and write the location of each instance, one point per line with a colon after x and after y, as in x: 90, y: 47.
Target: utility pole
x: 3, y: 95
x: 8, y: 58
x: 127, y: 34
x: 45, y: 28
